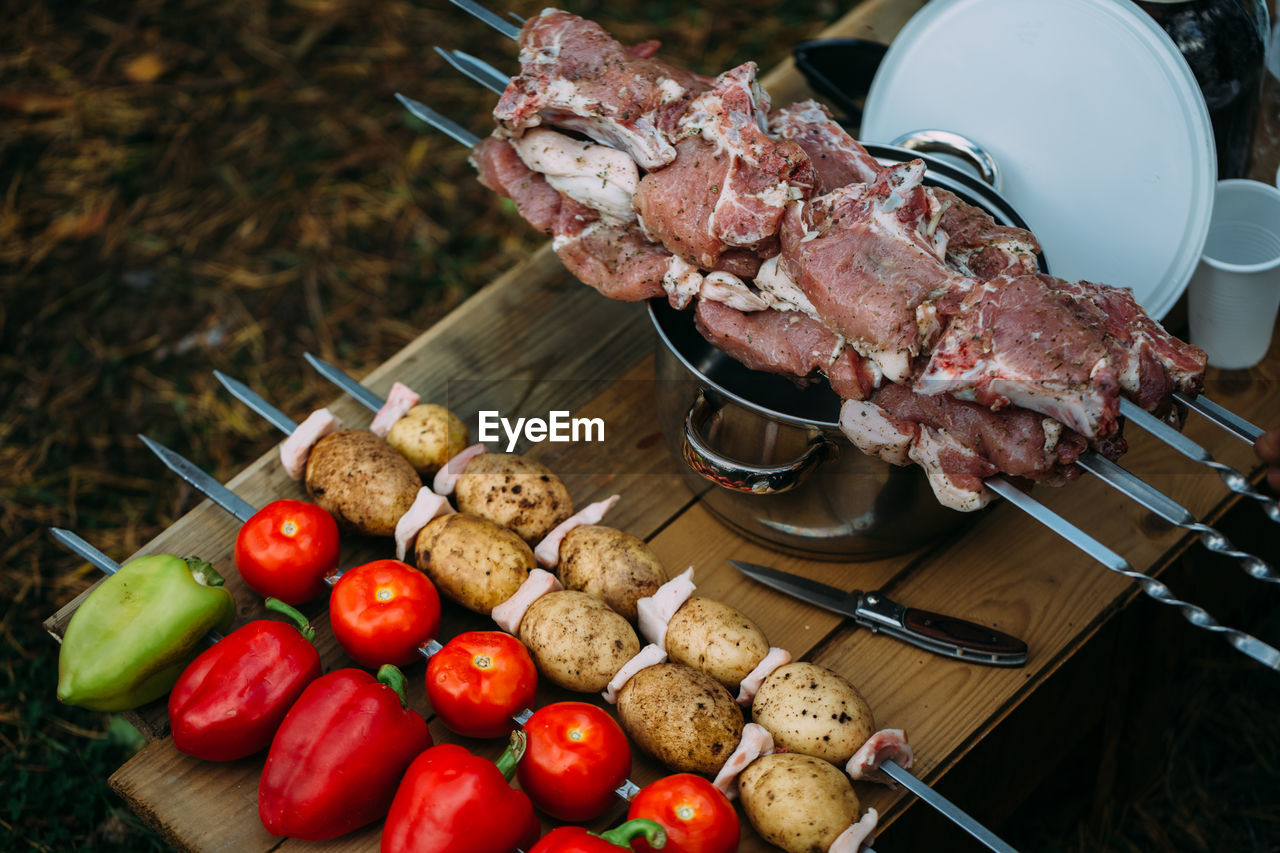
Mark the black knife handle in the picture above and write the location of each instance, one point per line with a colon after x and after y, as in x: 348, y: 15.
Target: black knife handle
x: 961, y: 633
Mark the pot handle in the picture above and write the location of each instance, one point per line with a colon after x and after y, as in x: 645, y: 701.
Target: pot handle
x: 740, y: 476
x: 953, y: 143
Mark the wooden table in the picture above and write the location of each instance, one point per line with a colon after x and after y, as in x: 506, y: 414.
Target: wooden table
x: 510, y: 348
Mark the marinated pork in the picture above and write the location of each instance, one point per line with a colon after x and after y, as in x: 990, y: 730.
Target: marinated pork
x: 789, y: 343
x: 574, y: 75
x: 868, y: 258
x: 1016, y: 340
x: 806, y: 257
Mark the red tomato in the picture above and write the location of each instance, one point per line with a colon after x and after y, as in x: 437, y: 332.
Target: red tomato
x: 479, y: 680
x: 577, y: 755
x: 697, y: 817
x: 383, y: 611
x: 285, y: 550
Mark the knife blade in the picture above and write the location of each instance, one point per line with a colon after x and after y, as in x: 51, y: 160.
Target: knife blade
x: 942, y: 635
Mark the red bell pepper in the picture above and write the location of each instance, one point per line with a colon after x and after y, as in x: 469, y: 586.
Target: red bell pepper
x: 575, y: 839
x: 339, y: 754
x: 229, y: 702
x: 451, y: 801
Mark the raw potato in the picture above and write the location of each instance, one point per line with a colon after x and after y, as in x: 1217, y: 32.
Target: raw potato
x: 576, y: 641
x: 717, y: 639
x: 797, y: 802
x: 610, y: 564
x: 472, y: 560
x: 428, y: 436
x: 811, y: 710
x: 514, y: 492
x: 682, y: 717
x: 361, y: 481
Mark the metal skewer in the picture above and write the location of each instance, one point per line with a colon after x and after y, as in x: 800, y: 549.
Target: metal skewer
x: 1173, y: 512
x: 1246, y: 643
x: 202, y: 482
x: 206, y: 485
x: 439, y: 122
x: 476, y: 69
x: 1109, y: 472
x: 337, y: 376
x: 1235, y: 481
x: 225, y: 498
x: 246, y: 395
x: 478, y: 11
x: 1225, y: 418
x: 904, y: 777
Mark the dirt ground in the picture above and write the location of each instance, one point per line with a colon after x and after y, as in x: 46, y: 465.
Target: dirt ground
x: 192, y: 186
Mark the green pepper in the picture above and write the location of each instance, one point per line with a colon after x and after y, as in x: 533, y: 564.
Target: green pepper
x: 133, y: 635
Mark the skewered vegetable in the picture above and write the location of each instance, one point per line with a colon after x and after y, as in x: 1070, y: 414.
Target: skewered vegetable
x: 232, y: 698
x: 472, y: 560
x: 576, y: 640
x: 797, y: 802
x: 361, y: 481
x: 106, y: 663
x: 451, y: 801
x: 428, y: 436
x: 339, y: 755
x: 682, y: 717
x: 615, y: 566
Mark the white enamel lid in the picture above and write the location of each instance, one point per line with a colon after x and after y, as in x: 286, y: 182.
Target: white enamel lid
x: 1097, y: 125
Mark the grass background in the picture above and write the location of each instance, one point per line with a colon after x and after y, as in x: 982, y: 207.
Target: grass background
x: 225, y: 184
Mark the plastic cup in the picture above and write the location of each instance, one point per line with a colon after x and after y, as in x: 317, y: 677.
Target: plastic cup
x: 1234, y: 295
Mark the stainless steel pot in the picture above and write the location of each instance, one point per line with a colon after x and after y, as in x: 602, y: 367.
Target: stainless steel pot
x: 768, y: 456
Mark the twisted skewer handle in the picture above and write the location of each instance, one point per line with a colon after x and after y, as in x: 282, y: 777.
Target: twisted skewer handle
x: 1235, y: 481
x: 1196, y: 615
x: 1173, y: 512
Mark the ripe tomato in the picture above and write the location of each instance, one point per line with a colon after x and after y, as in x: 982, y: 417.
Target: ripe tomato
x: 697, y: 817
x: 285, y: 550
x: 577, y: 755
x: 479, y: 680
x: 383, y: 611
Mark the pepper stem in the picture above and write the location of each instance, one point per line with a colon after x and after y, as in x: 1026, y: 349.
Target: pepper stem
x: 394, y: 678
x: 203, y: 572
x: 623, y: 834
x: 512, y: 754
x: 304, y: 627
